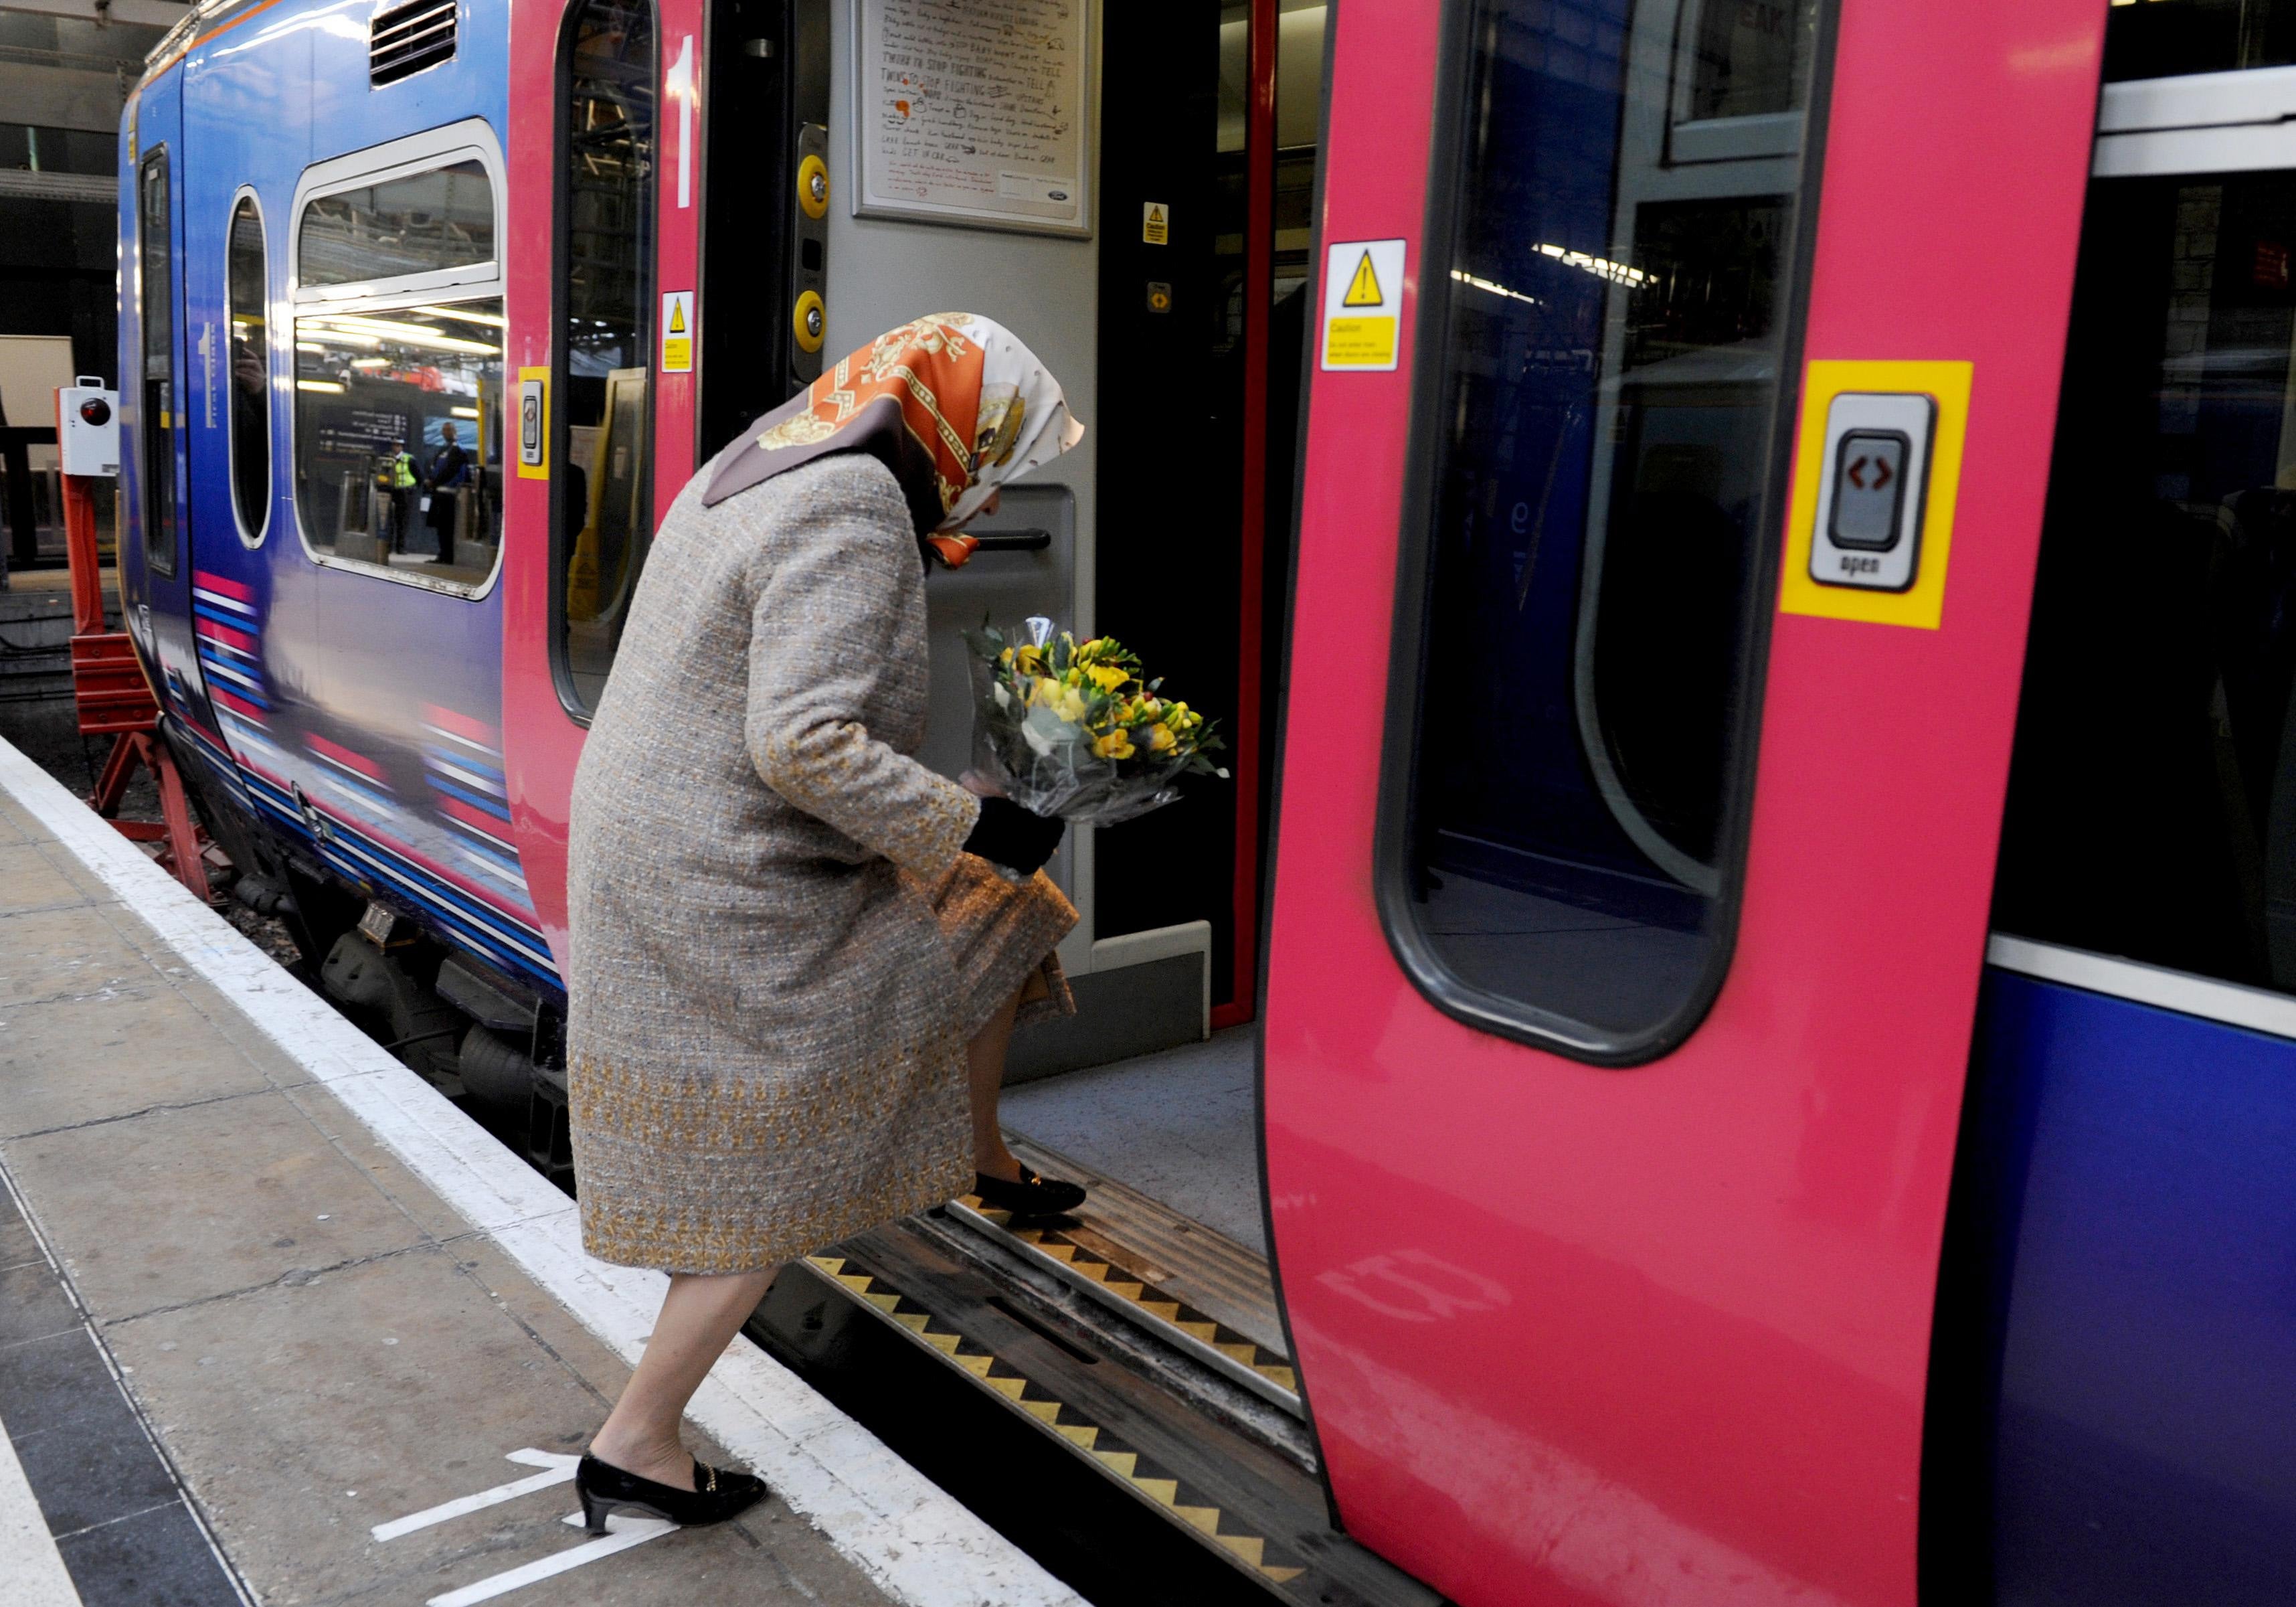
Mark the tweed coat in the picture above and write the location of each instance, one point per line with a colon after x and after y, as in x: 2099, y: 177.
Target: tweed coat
x: 778, y: 948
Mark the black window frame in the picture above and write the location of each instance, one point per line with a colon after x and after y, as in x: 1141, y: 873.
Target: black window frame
x: 162, y: 511
x: 1393, y: 832
x: 253, y: 536
x: 558, y: 412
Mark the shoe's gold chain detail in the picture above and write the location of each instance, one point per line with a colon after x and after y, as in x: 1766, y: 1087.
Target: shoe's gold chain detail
x: 1166, y: 1308
x: 1112, y: 1456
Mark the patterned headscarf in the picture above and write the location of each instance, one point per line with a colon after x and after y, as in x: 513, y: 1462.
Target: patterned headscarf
x: 953, y: 403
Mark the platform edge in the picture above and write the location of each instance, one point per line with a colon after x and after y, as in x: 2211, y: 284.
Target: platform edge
x: 910, y: 1538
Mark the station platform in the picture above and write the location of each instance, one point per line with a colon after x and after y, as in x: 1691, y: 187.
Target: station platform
x: 278, y: 1324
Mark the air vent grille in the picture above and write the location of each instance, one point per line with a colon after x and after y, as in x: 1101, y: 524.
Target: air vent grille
x: 407, y: 38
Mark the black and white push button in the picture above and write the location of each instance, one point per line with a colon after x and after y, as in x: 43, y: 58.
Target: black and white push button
x: 1871, y: 490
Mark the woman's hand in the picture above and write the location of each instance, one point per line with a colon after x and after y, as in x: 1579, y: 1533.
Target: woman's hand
x: 980, y: 785
x: 1013, y: 837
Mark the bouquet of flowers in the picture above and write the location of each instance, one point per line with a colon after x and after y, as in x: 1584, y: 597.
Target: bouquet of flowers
x: 1070, y: 728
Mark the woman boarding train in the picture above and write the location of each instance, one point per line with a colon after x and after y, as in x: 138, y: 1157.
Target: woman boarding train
x: 794, y: 964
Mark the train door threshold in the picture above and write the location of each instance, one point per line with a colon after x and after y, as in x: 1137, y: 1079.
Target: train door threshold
x: 1089, y: 1424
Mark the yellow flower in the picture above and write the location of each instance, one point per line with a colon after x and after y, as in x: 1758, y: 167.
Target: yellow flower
x: 1066, y: 702
x: 1005, y: 658
x: 1116, y: 744
x: 1028, y: 660
x: 1107, y: 676
x: 1161, y: 738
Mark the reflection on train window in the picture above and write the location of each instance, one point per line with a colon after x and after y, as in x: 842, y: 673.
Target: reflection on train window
x: 605, y: 496
x: 398, y: 438
x: 1752, y: 57
x: 2152, y: 794
x: 427, y: 222
x: 2164, y: 38
x: 1598, y: 549
x: 155, y: 237
x: 248, y: 311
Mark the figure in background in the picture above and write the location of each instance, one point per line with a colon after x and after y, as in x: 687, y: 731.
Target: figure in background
x: 449, y: 468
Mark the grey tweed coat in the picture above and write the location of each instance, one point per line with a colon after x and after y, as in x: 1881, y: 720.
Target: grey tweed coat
x: 778, y: 948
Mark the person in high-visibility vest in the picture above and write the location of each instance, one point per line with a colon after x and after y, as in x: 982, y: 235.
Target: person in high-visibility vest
x: 400, y: 473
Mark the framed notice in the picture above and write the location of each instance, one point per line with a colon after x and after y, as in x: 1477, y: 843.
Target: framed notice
x: 974, y: 113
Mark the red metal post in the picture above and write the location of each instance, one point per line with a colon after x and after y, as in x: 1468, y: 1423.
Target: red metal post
x: 1258, y: 296
x: 113, y: 699
x: 79, y: 550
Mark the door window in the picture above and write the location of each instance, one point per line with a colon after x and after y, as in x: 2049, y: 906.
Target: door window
x: 400, y: 418
x: 1593, y: 560
x: 155, y: 238
x: 248, y: 311
x: 602, y: 494
x: 2152, y: 794
x: 2167, y: 38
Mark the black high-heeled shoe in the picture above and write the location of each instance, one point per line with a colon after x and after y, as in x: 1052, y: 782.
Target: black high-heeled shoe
x: 715, y: 1496
x: 1034, y: 1195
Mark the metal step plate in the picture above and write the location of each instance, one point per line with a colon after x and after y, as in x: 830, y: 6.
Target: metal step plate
x: 1229, y: 1496
x: 1204, y: 1293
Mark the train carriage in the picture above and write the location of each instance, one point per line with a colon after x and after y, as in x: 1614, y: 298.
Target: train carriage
x: 1743, y: 548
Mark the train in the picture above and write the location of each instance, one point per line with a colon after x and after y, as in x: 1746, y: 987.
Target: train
x: 1745, y: 547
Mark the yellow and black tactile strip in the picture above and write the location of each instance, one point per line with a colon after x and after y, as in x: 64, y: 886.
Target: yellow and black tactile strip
x: 1092, y: 1267
x: 1108, y: 1451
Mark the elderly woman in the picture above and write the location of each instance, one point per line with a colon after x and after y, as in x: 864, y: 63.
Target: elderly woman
x: 794, y: 965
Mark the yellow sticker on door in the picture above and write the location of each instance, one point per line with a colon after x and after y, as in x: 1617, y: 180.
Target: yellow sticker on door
x: 677, y: 332
x: 1363, y: 305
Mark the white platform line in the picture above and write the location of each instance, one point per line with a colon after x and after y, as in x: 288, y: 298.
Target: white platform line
x: 621, y: 1534
x: 556, y: 1470
x: 910, y: 1538
x: 31, y: 1566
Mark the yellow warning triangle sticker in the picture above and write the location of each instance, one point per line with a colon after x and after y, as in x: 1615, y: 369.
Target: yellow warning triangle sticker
x: 678, y: 315
x: 1363, y: 290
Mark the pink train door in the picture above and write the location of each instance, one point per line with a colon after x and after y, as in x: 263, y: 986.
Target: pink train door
x: 605, y: 158
x: 1676, y: 447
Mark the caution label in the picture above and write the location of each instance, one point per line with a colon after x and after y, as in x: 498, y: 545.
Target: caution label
x: 1363, y: 305
x: 1155, y: 223
x: 677, y: 332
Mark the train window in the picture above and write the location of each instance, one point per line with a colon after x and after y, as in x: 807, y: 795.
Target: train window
x: 398, y: 438
x: 432, y: 221
x: 1592, y: 544
x: 398, y: 421
x: 1751, y: 57
x: 2167, y: 38
x: 2152, y: 791
x: 603, y: 492
x: 249, y: 312
x: 155, y: 237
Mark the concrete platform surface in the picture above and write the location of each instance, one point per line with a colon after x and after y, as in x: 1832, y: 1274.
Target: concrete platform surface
x: 278, y: 1324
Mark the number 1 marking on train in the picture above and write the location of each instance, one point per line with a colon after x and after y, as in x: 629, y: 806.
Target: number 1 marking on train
x: 679, y: 83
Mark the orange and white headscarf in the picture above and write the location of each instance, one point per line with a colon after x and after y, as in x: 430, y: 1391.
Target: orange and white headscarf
x: 953, y: 403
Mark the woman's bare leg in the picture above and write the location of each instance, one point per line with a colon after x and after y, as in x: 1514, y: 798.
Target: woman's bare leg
x: 985, y: 1067
x: 699, y: 1317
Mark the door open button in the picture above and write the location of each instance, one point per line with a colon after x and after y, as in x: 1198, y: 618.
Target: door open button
x: 1869, y: 490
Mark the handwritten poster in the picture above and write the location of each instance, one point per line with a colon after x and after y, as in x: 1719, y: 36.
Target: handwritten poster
x: 975, y: 112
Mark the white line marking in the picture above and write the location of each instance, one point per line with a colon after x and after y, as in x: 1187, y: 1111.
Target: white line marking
x: 556, y: 1469
x: 621, y: 1534
x: 31, y: 1566
x: 910, y: 1538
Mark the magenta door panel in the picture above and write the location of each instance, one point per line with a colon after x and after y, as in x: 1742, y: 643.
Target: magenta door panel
x: 1660, y: 1334
x: 543, y: 741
